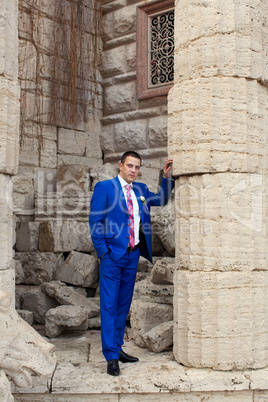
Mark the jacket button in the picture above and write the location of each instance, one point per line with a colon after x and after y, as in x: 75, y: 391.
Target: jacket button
x: 127, y: 237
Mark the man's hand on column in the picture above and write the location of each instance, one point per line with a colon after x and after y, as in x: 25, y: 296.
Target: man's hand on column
x: 167, y: 168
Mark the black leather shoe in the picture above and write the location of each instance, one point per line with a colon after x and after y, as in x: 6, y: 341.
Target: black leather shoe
x: 113, y: 367
x: 124, y: 358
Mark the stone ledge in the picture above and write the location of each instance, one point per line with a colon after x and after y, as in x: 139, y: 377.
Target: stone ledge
x: 144, y: 153
x: 123, y: 40
x: 242, y: 396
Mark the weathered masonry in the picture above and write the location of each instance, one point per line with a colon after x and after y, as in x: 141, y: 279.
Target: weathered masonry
x: 81, y: 81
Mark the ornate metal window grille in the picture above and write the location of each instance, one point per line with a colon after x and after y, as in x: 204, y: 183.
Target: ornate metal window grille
x: 161, y: 45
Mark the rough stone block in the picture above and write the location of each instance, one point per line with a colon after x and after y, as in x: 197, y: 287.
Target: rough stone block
x: 38, y: 267
x: 82, y: 291
x: 94, y: 323
x: 66, y: 295
x: 141, y: 276
x: 216, y: 125
x: 157, y: 246
x: 144, y: 316
x: 155, y: 293
x: 9, y: 126
x: 162, y: 272
x: 130, y: 135
x: 71, y: 142
x: 131, y: 57
x: 48, y: 154
x: 144, y: 265
x: 23, y: 195
x: 33, y: 299
x: 54, y: 205
x: 125, y: 21
x: 93, y: 132
x: 34, y: 130
x: 157, y: 132
x: 220, y: 319
x: 65, y: 317
x: 25, y: 345
x: 27, y: 236
x: 108, y: 26
x: 6, y: 229
x: 150, y: 177
x: 42, y: 35
x: 114, y: 5
x: 120, y: 98
x: 114, y: 62
x: 79, y: 269
x: 27, y: 51
x: 221, y: 221
x: 107, y: 138
x: 26, y: 171
x: 26, y: 316
x: 105, y: 172
x: 160, y: 337
x: 45, y: 181
x: 29, y: 151
x: 163, y: 225
x: 72, y: 179
x: 65, y: 236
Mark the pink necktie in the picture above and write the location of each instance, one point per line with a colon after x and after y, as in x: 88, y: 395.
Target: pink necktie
x: 131, y: 218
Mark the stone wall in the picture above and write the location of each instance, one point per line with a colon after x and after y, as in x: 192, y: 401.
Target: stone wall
x: 60, y: 161
x: 48, y: 136
x: 52, y: 189
x: 129, y: 123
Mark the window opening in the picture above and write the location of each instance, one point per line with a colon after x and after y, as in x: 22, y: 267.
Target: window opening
x: 161, y: 45
x: 155, y: 48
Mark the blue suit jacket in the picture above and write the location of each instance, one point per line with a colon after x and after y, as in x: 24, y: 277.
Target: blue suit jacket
x: 109, y: 219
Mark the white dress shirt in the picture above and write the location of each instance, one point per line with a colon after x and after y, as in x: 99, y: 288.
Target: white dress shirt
x: 136, y: 211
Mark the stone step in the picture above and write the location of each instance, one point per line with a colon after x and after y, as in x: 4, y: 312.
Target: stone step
x: 81, y: 375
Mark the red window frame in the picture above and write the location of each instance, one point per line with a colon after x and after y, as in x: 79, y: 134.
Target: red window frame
x: 143, y: 14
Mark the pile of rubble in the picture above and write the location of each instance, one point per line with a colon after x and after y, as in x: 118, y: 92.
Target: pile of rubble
x: 57, y: 267
x: 151, y: 315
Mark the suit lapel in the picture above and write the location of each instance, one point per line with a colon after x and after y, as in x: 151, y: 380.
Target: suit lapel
x: 120, y: 193
x: 118, y: 188
x: 137, y: 192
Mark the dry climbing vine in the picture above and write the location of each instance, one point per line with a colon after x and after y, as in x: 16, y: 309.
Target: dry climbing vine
x: 59, y: 59
x: 77, y: 59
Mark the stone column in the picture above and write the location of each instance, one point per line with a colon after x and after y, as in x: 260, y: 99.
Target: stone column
x: 22, y: 350
x: 218, y: 129
x: 9, y: 135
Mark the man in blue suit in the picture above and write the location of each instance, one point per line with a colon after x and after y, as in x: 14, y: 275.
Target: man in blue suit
x: 120, y: 228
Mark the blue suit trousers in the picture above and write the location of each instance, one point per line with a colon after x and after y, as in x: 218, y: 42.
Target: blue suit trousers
x: 117, y: 281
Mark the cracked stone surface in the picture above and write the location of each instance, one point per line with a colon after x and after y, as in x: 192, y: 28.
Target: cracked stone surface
x: 81, y: 375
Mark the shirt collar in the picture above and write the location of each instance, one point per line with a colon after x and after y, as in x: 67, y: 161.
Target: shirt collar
x: 123, y: 181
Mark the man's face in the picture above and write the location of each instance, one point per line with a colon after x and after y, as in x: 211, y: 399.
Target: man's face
x: 129, y: 170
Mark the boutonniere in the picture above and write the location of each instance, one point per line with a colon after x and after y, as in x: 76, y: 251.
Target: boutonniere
x: 143, y: 200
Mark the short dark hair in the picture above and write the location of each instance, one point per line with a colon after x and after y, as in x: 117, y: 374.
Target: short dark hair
x: 130, y: 153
